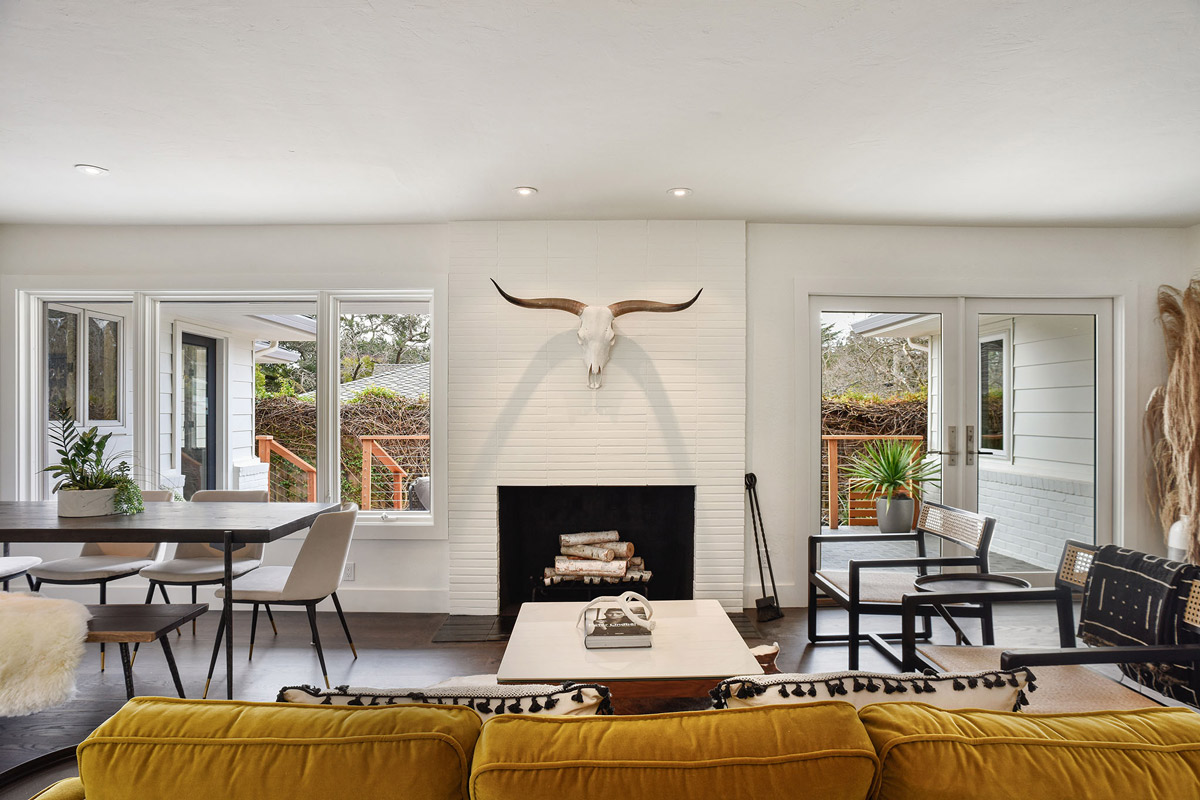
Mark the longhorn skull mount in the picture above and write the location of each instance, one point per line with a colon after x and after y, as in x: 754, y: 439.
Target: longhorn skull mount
x: 596, y: 332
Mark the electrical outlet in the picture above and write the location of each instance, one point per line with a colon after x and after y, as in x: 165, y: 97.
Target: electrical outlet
x: 348, y: 571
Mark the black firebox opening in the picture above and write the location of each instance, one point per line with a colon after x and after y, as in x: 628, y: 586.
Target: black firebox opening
x: 659, y: 520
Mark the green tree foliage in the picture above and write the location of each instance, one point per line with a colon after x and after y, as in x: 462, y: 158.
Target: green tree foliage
x: 366, y: 340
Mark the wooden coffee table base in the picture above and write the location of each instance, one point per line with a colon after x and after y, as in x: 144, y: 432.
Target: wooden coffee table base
x: 659, y: 696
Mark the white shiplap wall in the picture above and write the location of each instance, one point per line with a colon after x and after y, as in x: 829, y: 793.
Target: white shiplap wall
x: 672, y: 408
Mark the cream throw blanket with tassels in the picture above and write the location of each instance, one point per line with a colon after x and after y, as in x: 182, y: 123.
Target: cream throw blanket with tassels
x: 41, y: 644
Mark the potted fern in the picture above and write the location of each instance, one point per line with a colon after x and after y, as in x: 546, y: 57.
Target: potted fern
x: 895, y: 472
x: 89, y: 482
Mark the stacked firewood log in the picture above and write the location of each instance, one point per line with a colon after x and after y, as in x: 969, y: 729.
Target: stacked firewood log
x: 596, y: 557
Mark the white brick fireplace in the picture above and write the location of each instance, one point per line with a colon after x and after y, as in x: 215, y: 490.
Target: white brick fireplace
x: 672, y: 408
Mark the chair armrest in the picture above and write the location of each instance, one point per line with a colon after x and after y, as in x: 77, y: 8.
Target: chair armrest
x: 1186, y: 653
x: 864, y: 537
x: 920, y: 561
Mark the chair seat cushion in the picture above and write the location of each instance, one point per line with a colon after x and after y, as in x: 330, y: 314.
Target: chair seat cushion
x: 263, y: 585
x: 83, y: 568
x: 874, y: 586
x: 1061, y: 689
x: 15, y: 565
x: 156, y: 747
x: 928, y: 753
x: 196, y: 570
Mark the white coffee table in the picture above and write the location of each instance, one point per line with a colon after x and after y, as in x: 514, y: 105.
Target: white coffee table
x: 695, y: 646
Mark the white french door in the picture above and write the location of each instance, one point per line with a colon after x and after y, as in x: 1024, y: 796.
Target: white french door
x: 1019, y: 409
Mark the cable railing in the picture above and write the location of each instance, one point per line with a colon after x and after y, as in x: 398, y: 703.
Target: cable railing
x: 860, y: 507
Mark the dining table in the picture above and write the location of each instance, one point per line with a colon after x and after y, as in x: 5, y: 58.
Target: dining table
x: 225, y: 526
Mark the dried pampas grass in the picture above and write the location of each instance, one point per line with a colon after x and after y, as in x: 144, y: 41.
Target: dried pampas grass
x: 1172, y: 420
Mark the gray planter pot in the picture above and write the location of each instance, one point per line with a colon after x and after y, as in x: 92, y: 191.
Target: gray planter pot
x: 896, y: 516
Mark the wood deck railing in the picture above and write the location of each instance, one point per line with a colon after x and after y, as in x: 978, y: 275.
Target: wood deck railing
x: 267, y: 446
x: 372, y: 452
x: 831, y: 456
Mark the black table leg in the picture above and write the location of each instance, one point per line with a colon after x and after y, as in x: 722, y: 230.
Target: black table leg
x: 166, y: 646
x: 228, y: 612
x: 127, y: 668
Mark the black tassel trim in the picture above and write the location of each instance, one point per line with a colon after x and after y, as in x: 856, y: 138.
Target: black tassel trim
x: 551, y: 702
x: 783, y: 692
x: 872, y: 686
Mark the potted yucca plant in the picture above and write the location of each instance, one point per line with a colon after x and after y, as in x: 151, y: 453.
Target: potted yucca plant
x: 90, y: 483
x: 895, y: 472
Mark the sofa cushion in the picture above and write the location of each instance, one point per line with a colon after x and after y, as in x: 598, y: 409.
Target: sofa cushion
x: 66, y: 789
x: 1000, y: 690
x: 185, y: 749
x: 928, y: 753
x: 567, y: 699
x: 753, y: 752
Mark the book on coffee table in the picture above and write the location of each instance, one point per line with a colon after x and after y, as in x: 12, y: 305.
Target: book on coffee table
x: 610, y: 628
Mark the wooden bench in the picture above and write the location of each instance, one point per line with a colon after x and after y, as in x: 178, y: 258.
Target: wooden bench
x: 139, y: 622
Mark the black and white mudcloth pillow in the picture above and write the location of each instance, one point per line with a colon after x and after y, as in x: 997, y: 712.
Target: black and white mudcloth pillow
x: 999, y: 690
x: 567, y: 699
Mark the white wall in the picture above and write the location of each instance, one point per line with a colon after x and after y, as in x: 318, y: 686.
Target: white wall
x: 786, y: 262
x: 672, y: 407
x: 781, y: 260
x: 392, y: 574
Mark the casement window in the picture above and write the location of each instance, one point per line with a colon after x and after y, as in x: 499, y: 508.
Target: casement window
x: 84, y: 365
x: 995, y: 394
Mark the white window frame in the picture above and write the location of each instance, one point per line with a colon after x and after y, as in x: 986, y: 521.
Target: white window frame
x: 1004, y: 336
x: 145, y: 334
x: 85, y: 315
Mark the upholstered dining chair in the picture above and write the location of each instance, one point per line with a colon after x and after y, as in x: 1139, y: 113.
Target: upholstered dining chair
x: 16, y: 566
x: 315, y: 575
x: 102, y: 562
x: 200, y: 564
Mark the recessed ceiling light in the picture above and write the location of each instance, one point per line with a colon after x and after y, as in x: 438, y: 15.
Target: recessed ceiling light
x: 525, y: 191
x: 680, y: 191
x: 91, y: 169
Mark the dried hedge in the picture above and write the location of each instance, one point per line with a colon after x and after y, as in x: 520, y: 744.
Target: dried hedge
x: 293, y: 423
x: 886, y: 418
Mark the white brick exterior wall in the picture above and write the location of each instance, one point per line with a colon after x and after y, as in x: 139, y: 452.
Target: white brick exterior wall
x: 672, y: 408
x: 1036, y: 514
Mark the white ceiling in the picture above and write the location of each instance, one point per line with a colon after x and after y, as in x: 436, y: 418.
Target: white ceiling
x: 349, y: 111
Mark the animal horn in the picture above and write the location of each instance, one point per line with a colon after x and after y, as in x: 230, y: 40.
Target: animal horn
x: 559, y: 303
x: 629, y: 306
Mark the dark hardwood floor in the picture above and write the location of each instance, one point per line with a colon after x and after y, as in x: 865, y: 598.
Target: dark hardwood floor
x: 395, y: 650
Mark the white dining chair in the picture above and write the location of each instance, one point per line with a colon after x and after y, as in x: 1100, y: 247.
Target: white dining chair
x: 199, y: 563
x: 315, y: 575
x: 102, y: 562
x: 15, y: 566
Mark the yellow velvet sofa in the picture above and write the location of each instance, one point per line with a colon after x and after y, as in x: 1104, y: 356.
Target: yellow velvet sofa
x: 229, y: 750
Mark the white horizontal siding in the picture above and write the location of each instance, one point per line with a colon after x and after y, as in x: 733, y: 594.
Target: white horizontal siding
x: 1054, y: 393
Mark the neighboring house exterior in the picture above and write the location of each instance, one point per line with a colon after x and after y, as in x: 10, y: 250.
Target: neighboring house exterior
x: 406, y: 380
x: 1038, y: 420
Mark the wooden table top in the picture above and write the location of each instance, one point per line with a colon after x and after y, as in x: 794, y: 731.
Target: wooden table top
x: 38, y: 521
x: 138, y: 622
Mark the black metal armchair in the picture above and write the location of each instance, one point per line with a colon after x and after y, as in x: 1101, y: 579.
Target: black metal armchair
x: 868, y: 588
x: 1164, y: 664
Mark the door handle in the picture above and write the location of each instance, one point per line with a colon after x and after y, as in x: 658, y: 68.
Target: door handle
x: 951, y: 454
x: 971, y: 451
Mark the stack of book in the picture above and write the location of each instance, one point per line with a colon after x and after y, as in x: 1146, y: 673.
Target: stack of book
x: 594, y: 557
x: 610, y: 628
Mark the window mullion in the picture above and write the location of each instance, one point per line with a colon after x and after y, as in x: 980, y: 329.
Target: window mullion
x: 328, y: 413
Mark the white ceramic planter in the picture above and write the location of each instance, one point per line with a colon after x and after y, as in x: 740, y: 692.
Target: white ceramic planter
x: 1177, y: 540
x: 86, y: 502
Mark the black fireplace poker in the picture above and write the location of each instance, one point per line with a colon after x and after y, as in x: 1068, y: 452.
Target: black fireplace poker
x: 768, y: 606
